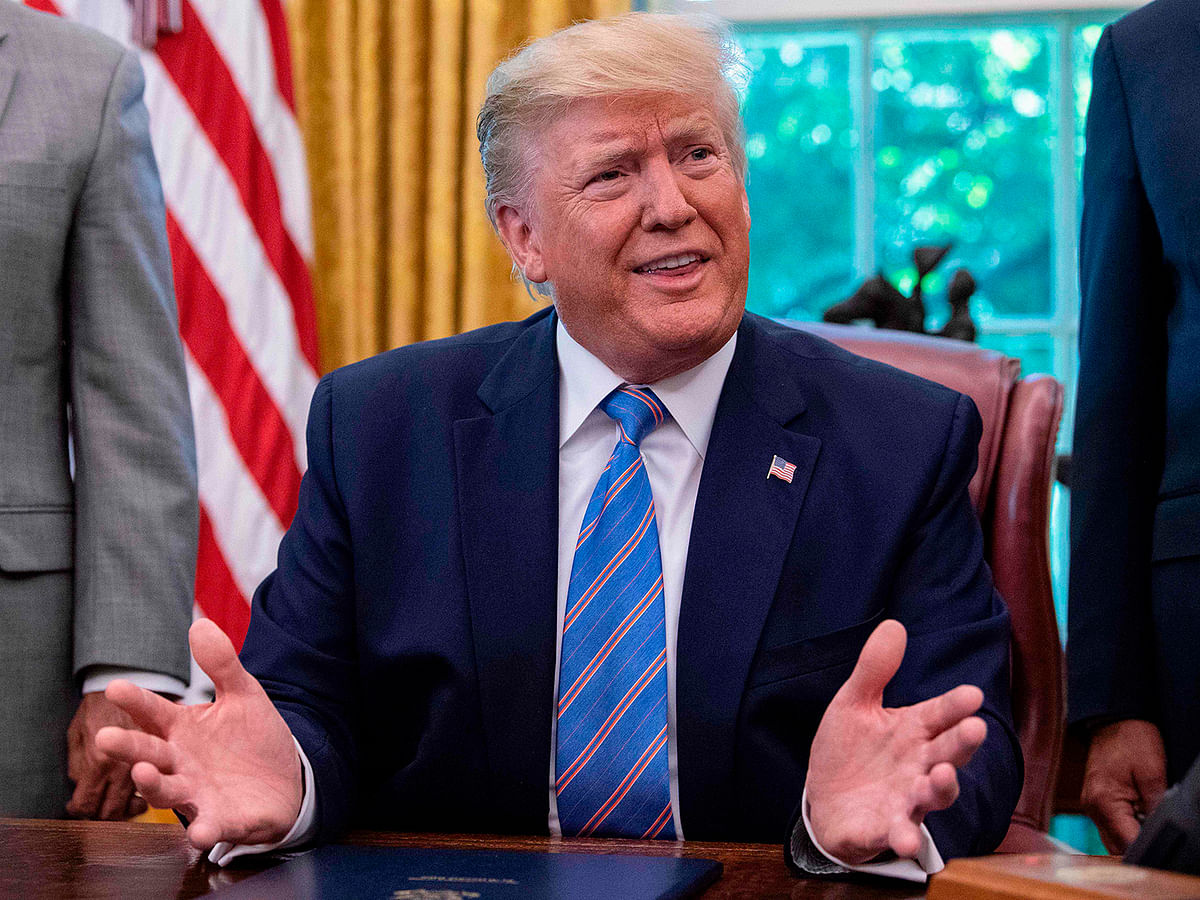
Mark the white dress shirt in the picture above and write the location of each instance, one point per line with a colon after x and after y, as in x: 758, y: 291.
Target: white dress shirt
x: 674, y: 458
x: 97, y: 678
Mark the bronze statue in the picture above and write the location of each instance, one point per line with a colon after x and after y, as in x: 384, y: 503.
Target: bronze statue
x: 960, y: 326
x: 881, y: 302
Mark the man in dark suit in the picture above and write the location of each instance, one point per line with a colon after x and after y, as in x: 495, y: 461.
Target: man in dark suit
x: 419, y: 637
x: 96, y: 565
x: 1134, y: 639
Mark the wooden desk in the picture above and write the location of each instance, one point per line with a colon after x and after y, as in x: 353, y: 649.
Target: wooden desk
x: 130, y: 861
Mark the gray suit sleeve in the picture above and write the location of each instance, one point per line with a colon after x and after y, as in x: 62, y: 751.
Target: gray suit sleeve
x: 135, y: 475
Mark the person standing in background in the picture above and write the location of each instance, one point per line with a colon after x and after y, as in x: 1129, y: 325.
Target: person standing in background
x: 96, y: 568
x: 1133, y: 644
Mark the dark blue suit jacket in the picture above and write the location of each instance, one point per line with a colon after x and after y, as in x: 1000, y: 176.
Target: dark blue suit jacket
x: 1134, y: 642
x: 408, y: 634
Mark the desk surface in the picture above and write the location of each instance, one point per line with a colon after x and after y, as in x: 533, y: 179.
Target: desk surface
x: 74, y: 860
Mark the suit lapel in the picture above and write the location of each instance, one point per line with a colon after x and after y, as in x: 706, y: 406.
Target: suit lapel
x: 508, y: 502
x: 742, y: 528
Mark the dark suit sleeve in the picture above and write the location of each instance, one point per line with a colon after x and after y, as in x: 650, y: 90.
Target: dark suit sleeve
x: 1119, y: 418
x: 958, y: 633
x: 301, y: 640
x: 135, y: 479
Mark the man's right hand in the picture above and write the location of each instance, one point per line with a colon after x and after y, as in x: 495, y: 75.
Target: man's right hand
x: 1125, y: 777
x: 874, y: 771
x: 230, y: 767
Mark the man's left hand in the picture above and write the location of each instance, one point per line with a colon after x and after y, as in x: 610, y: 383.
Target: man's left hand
x: 873, y: 772
x: 103, y: 787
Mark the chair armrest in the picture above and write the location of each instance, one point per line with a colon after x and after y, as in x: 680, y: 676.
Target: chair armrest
x: 1018, y: 536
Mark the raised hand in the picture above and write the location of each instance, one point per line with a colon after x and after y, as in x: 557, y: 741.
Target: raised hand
x: 873, y: 772
x: 229, y: 766
x: 1125, y: 777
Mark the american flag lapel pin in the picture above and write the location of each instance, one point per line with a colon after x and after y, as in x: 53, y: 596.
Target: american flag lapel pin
x: 781, y: 469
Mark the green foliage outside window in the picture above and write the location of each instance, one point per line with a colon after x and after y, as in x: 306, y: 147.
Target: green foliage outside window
x: 801, y: 143
x: 963, y: 154
x: 961, y: 144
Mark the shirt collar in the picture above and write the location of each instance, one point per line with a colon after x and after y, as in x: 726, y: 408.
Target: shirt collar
x: 690, y: 396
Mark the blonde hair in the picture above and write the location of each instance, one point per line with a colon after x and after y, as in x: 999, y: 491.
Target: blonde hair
x: 627, y: 54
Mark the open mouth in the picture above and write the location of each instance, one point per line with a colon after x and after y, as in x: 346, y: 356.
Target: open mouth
x: 680, y: 264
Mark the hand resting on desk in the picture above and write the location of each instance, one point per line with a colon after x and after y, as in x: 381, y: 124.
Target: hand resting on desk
x: 229, y: 766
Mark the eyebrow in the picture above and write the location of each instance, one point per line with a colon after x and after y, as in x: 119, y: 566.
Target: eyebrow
x: 690, y: 128
x: 606, y: 155
x: 687, y: 126
x: 611, y: 147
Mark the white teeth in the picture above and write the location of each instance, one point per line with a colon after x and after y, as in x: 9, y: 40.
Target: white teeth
x: 670, y: 262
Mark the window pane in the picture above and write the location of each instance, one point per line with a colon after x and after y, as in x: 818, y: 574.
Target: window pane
x: 963, y: 153
x: 1036, y: 351
x: 800, y: 142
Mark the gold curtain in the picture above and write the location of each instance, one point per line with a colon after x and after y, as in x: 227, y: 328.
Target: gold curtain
x: 387, y: 95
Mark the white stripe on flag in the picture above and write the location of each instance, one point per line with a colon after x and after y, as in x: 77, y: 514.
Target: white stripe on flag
x: 246, y: 529
x: 210, y: 213
x: 240, y: 33
x: 111, y: 17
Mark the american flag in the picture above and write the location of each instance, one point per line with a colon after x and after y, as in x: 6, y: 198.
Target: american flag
x: 781, y: 468
x: 224, y: 130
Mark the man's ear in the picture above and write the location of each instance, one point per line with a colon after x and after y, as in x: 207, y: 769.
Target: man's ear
x: 522, y: 243
x: 746, y: 206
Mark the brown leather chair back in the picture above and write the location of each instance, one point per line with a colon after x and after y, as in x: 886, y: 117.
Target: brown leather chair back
x: 1011, y: 492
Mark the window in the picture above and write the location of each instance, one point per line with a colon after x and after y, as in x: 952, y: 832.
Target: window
x: 974, y: 138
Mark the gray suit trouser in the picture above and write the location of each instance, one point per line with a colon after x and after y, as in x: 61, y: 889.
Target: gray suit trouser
x: 36, y: 658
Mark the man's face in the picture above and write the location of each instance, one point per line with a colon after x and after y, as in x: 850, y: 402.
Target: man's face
x: 639, y: 220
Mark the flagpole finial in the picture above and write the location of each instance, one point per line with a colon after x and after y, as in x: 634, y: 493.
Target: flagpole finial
x: 154, y: 17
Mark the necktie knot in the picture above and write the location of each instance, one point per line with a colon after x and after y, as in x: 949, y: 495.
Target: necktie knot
x: 636, y: 410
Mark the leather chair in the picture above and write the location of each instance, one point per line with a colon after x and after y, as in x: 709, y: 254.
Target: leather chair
x: 1011, y: 492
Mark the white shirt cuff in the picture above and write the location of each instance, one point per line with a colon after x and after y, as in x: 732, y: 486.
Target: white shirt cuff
x: 97, y: 678
x: 927, y: 861
x: 301, y: 831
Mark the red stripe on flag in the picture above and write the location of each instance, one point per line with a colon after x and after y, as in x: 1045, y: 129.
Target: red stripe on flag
x: 277, y: 26
x: 258, y: 430
x: 217, y: 594
x: 199, y: 70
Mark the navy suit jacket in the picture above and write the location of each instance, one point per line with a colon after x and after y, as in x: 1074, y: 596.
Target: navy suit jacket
x: 1135, y: 491
x: 408, y: 635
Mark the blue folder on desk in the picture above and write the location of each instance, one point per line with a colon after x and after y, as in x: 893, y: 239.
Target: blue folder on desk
x: 405, y: 873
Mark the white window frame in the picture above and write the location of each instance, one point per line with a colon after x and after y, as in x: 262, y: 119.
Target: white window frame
x: 810, y: 10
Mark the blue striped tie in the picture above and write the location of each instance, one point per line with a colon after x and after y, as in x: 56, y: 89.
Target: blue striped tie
x: 611, y: 760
